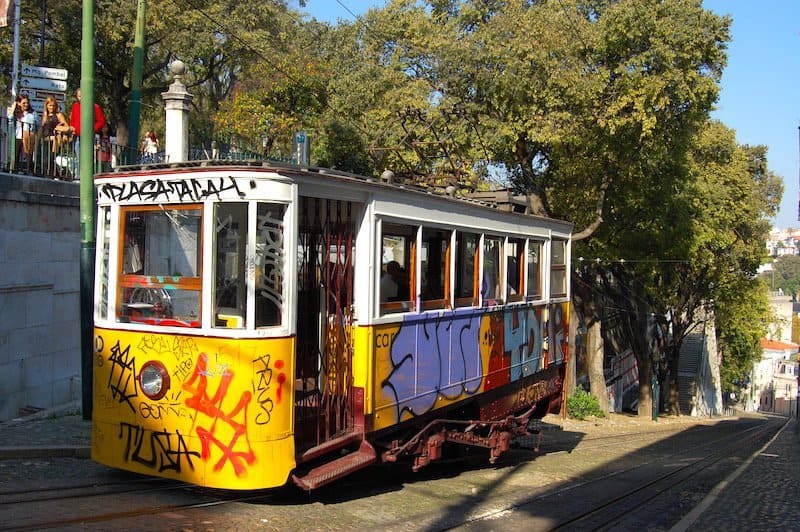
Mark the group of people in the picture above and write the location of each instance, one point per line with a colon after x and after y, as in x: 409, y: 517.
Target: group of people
x: 56, y: 136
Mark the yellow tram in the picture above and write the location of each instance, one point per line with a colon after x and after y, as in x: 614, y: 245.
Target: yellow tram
x: 261, y: 324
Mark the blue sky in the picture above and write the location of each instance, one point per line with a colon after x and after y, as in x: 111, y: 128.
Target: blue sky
x: 760, y: 99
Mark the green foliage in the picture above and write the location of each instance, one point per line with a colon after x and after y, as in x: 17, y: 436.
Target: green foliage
x: 785, y: 275
x: 582, y: 404
x: 742, y: 316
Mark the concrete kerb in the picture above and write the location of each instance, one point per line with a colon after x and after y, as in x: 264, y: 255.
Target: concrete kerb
x: 43, y: 451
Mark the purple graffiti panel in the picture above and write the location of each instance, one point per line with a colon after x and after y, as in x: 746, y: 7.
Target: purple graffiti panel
x: 464, y: 369
x: 434, y: 358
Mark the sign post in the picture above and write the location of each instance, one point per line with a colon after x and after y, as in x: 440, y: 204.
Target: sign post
x: 39, y: 82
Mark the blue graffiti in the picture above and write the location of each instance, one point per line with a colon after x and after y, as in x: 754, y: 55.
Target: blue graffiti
x: 523, y: 341
x: 558, y: 324
x: 432, y: 359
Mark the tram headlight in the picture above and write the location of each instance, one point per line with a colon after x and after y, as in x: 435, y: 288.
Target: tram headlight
x: 154, y: 380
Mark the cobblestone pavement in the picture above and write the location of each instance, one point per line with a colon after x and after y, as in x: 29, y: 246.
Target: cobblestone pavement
x: 761, y: 495
x: 764, y: 496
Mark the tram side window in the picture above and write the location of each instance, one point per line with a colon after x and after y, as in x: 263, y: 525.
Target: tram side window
x: 397, y: 273
x: 269, y: 282
x: 434, y: 268
x: 491, y: 292
x: 558, y: 268
x: 465, y: 270
x: 230, y: 241
x: 160, y: 278
x: 534, y: 285
x: 514, y: 268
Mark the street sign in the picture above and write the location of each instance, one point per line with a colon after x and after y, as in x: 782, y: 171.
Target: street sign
x: 30, y: 71
x: 43, y: 83
x: 42, y: 95
x: 37, y: 105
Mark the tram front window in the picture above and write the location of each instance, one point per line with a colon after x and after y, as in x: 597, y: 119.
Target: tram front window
x: 234, y: 224
x: 159, y: 281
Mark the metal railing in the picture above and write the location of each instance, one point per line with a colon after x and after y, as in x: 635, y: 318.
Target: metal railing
x: 57, y: 156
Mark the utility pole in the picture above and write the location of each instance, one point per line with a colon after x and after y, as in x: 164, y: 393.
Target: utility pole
x: 87, y: 206
x: 136, y: 80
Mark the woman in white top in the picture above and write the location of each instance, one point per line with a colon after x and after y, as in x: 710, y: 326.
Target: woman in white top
x: 26, y: 122
x: 149, y: 147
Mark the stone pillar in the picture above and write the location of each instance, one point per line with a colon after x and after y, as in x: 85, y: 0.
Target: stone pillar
x: 176, y: 104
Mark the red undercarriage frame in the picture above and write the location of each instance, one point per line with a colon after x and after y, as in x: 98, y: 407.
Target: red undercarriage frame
x: 426, y: 445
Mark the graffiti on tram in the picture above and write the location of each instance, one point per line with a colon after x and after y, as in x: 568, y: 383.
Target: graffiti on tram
x: 428, y: 364
x: 213, y: 400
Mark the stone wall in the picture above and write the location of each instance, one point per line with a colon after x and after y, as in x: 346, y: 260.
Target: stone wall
x: 40, y: 364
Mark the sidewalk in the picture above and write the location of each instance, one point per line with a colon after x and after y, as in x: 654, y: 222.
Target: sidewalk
x: 60, y: 431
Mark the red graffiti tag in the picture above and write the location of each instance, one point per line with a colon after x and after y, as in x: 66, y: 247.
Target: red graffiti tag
x: 212, y: 407
x: 281, y: 380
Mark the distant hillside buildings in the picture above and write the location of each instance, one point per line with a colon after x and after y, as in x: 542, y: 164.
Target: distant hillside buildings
x: 774, y: 379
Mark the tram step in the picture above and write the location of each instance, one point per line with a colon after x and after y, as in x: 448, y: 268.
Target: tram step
x: 336, y: 469
x: 329, y: 446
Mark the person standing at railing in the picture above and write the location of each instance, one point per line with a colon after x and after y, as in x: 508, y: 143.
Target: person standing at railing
x: 55, y: 133
x: 25, y: 125
x: 75, y: 123
x: 150, y: 147
x: 103, y: 148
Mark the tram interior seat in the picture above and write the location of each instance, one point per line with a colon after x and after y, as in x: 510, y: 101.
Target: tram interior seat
x: 230, y: 318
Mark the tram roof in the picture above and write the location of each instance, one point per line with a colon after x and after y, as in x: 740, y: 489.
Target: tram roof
x: 498, y: 200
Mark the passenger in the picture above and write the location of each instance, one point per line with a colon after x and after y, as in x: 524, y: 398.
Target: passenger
x: 389, y: 284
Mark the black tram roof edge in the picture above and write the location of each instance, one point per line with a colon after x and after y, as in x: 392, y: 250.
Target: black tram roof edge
x: 478, y: 199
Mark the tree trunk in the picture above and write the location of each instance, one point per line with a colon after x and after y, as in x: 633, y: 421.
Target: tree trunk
x: 674, y: 407
x: 569, y: 382
x: 594, y: 361
x: 645, y: 388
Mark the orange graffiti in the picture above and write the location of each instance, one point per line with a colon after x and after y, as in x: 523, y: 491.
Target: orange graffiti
x: 212, y: 407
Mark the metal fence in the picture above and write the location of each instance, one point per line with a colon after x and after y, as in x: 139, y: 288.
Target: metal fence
x: 29, y: 152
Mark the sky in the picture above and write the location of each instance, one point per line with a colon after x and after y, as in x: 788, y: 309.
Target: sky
x: 760, y: 99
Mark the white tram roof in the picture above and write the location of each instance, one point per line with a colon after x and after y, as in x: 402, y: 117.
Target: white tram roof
x: 227, y: 180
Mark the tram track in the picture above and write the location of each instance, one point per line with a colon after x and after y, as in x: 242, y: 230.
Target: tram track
x: 613, y: 511
x: 649, y: 463
x: 199, y: 498
x: 89, y: 489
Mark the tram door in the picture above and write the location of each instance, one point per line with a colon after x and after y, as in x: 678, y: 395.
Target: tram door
x: 323, y: 386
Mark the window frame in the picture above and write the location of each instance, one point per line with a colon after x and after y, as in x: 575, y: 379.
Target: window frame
x: 132, y: 281
x: 559, y: 268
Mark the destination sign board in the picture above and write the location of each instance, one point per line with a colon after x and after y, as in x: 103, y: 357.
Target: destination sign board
x: 42, y: 83
x: 30, y: 71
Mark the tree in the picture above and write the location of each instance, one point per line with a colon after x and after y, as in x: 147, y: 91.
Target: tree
x: 742, y: 318
x: 213, y: 37
x: 785, y: 275
x: 731, y: 201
